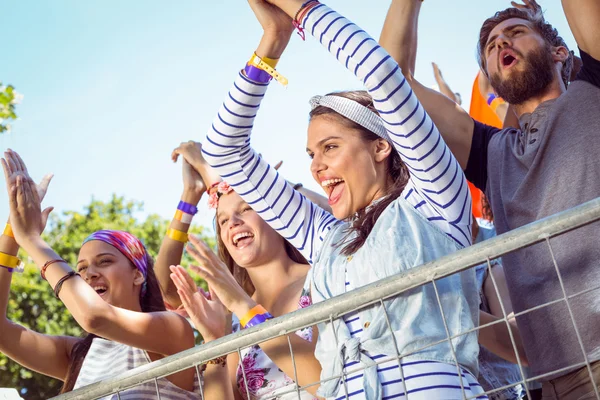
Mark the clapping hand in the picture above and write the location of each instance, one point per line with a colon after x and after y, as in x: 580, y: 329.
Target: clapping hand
x: 26, y: 217
x: 219, y: 279
x: 206, y: 311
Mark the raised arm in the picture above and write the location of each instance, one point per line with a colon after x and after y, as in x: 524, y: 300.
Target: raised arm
x: 399, y: 38
x: 48, y: 355
x: 227, y: 149
x: 224, y: 287
x: 90, y: 311
x: 584, y: 20
x: 443, y: 85
x: 437, y: 187
x: 171, y: 249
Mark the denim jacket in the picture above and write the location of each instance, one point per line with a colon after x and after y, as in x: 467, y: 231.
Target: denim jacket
x: 400, y: 240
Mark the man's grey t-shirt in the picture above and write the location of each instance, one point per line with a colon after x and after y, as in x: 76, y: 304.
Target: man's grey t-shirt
x: 552, y: 165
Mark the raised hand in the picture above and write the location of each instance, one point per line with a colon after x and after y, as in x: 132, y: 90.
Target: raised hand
x: 192, y: 181
x: 436, y: 71
x: 271, y: 18
x: 25, y: 211
x: 13, y: 167
x: 206, y: 311
x: 219, y: 279
x: 192, y: 153
x: 531, y: 5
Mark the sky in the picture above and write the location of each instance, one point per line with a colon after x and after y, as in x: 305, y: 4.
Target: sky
x: 111, y: 87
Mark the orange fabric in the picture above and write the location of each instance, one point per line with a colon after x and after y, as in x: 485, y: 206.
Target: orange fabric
x: 480, y: 111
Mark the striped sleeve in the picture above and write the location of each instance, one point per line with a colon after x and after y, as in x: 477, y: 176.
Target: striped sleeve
x: 437, y: 187
x: 227, y: 149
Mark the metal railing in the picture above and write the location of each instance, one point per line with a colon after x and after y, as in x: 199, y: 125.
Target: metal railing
x: 377, y: 292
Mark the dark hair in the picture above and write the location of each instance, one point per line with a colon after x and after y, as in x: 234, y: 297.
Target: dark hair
x: 240, y: 274
x: 536, y: 17
x: 152, y: 301
x: 366, y: 218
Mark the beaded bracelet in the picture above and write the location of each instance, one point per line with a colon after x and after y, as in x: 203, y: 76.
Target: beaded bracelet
x: 222, y: 361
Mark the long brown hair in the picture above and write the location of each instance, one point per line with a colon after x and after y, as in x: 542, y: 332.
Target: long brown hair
x: 151, y: 301
x: 365, y: 219
x: 240, y: 274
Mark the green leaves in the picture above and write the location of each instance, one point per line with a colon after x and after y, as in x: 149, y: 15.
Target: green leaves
x: 32, y: 303
x: 8, y: 99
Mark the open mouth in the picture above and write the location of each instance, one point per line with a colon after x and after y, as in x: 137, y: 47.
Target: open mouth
x: 101, y: 290
x: 242, y: 239
x: 334, y: 188
x: 507, y: 59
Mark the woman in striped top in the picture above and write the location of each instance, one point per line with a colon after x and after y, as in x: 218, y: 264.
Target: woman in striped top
x: 114, y: 296
x: 399, y: 199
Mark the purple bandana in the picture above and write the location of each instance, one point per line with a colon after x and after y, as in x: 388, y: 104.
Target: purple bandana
x: 126, y: 243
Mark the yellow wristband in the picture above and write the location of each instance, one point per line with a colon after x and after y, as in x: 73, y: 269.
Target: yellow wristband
x: 8, y: 231
x: 257, y: 309
x: 261, y: 64
x: 8, y: 261
x: 271, y: 62
x: 177, y: 235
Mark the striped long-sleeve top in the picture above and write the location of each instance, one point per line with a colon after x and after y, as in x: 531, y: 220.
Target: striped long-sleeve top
x: 437, y: 187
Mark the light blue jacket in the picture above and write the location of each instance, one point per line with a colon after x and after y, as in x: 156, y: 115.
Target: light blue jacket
x: 400, y: 240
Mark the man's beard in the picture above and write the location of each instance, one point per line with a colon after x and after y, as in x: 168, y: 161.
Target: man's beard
x: 521, y: 86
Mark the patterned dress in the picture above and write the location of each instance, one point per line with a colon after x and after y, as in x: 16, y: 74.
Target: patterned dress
x: 263, y: 376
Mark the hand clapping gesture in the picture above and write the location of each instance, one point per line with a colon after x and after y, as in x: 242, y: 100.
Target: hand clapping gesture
x: 205, y: 310
x: 26, y: 217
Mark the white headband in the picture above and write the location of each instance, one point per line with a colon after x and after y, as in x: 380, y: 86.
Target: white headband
x: 353, y: 111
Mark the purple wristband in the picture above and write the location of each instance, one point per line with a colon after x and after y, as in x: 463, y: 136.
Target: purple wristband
x: 187, y: 208
x: 257, y: 75
x: 12, y: 269
x: 258, y: 319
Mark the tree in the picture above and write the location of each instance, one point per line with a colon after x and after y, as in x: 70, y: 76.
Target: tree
x: 8, y: 99
x: 32, y: 302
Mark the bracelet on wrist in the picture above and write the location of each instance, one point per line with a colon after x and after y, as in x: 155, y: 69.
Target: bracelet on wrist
x: 49, y: 263
x: 257, y: 315
x: 11, y: 263
x: 177, y: 235
x: 8, y: 231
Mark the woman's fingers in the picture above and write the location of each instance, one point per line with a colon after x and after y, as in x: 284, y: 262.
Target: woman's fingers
x: 187, y: 280
x: 196, y: 254
x: 177, y: 280
x: 204, y: 251
x: 10, y: 161
x: 175, y: 154
x: 6, y: 169
x: 42, y: 187
x: 19, y: 162
x: 203, y: 273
